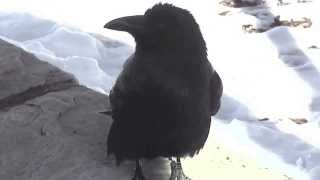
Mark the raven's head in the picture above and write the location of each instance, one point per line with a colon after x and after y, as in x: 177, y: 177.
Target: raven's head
x: 162, y: 27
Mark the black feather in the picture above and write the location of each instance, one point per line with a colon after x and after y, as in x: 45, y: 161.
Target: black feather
x: 163, y: 99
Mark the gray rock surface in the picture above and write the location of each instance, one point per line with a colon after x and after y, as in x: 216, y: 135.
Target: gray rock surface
x: 51, y: 128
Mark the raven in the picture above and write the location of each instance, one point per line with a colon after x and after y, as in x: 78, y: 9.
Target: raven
x: 163, y: 99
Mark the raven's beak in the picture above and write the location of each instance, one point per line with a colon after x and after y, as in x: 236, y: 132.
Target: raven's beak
x: 130, y: 24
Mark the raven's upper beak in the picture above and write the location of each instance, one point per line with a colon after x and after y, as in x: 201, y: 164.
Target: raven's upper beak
x: 130, y: 24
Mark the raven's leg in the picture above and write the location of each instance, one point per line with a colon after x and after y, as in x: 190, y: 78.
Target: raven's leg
x: 173, y: 165
x: 176, y: 170
x: 138, y: 174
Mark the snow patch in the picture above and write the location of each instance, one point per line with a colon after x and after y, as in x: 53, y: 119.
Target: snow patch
x: 94, y: 62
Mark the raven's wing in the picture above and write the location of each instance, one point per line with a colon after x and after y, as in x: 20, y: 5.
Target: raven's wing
x: 119, y: 90
x: 132, y: 84
x: 112, y: 99
x: 118, y: 94
x: 216, y: 89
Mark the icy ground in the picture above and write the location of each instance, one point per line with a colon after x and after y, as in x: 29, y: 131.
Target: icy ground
x: 272, y: 75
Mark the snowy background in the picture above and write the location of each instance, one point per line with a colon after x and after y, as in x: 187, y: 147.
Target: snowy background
x: 272, y: 75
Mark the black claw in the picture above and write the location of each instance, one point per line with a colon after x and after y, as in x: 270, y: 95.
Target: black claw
x: 138, y: 178
x: 176, y: 171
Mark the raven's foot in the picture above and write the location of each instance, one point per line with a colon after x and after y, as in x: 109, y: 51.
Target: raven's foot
x: 177, y: 172
x: 138, y: 174
x: 138, y: 177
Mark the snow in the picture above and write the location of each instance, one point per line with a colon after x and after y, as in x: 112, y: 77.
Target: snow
x: 85, y: 56
x: 272, y: 75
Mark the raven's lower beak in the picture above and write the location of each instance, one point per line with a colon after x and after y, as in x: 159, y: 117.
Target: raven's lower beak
x: 130, y: 24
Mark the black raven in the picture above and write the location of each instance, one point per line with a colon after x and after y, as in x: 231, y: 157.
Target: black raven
x: 164, y: 97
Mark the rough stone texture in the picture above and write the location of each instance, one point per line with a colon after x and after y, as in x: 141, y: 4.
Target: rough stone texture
x: 51, y: 128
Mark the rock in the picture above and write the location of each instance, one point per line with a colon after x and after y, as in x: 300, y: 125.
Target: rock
x: 23, y: 77
x: 241, y: 3
x: 299, y: 120
x: 50, y: 126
